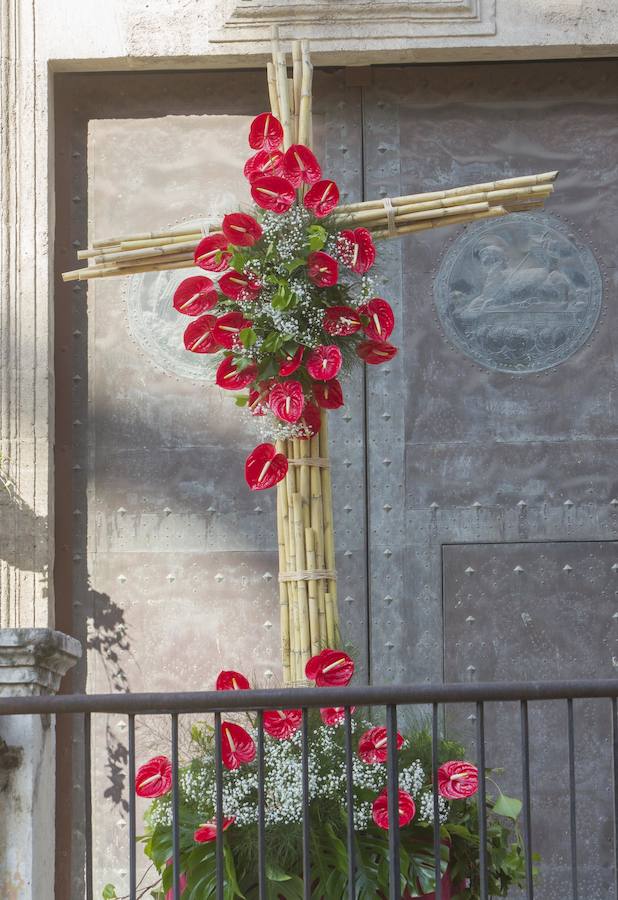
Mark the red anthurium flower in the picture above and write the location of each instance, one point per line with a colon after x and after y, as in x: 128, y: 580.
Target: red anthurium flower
x: 273, y: 192
x: 324, y: 362
x: 328, y: 394
x: 233, y: 379
x: 241, y: 230
x: 300, y: 164
x: 198, y: 336
x: 154, y: 778
x: 282, y: 723
x: 291, y: 363
x: 312, y: 419
x: 334, y: 715
x: 287, y: 401
x: 322, y: 198
x: 212, y: 254
x: 341, y: 320
x: 322, y: 269
x: 407, y: 809
x: 330, y: 668
x: 457, y: 779
x: 265, y: 162
x: 228, y: 680
x: 266, y: 132
x: 240, y: 287
x: 381, y: 319
x: 195, y: 295
x: 237, y: 745
x: 356, y: 249
x: 228, y: 327
x: 372, y: 745
x: 376, y: 352
x: 265, y: 467
x: 208, y: 831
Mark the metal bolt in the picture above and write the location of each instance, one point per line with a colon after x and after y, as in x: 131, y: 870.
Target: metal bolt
x: 469, y: 570
x: 267, y: 576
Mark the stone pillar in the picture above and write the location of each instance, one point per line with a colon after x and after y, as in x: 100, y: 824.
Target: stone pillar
x: 32, y: 662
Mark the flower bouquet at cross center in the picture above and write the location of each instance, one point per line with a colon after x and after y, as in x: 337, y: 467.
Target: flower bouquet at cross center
x: 292, y: 305
x: 283, y: 811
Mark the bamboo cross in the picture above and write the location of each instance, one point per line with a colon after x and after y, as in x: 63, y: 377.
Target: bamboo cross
x: 307, y: 575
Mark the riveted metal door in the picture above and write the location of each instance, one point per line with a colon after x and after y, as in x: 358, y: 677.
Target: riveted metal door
x: 498, y: 419
x: 169, y: 560
x: 493, y: 495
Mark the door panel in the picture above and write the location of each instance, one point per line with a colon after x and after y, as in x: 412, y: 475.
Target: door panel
x: 479, y: 454
x: 541, y: 611
x: 167, y: 537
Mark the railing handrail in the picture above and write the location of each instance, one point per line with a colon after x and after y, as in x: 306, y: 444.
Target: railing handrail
x: 308, y: 697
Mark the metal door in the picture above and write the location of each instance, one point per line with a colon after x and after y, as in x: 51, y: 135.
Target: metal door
x: 492, y: 436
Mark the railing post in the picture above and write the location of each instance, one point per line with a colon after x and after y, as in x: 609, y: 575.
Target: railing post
x: 32, y: 662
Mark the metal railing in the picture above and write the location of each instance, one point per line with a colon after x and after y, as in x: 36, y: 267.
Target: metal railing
x: 389, y: 697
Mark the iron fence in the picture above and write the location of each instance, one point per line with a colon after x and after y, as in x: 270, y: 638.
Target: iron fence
x: 388, y: 697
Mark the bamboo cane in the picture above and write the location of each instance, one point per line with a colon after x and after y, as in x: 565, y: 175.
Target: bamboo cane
x: 297, y: 77
x: 272, y: 89
x: 284, y: 100
x: 329, y: 534
x: 304, y: 118
x: 312, y: 593
x: 301, y: 584
x: 284, y: 606
x: 505, y: 183
x: 317, y: 525
x: 492, y: 213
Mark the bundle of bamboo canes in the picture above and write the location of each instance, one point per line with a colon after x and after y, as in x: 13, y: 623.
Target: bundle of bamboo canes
x: 307, y: 576
x: 388, y: 218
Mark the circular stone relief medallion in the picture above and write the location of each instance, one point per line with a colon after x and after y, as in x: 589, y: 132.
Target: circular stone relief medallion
x: 158, y: 329
x: 519, y: 294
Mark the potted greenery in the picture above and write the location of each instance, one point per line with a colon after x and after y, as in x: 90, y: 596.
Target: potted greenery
x: 458, y: 809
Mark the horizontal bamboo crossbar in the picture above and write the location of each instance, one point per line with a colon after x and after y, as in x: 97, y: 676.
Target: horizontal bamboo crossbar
x: 174, y: 248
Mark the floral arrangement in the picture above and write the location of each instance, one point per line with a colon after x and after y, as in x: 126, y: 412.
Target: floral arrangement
x: 458, y: 812
x: 293, y: 307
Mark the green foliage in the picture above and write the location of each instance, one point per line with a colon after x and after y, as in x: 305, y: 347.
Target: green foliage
x: 459, y: 834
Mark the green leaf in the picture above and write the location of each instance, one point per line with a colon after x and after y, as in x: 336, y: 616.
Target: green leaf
x: 242, y: 362
x: 247, y: 337
x: 317, y: 237
x: 274, y: 873
x: 295, y: 264
x: 242, y: 400
x: 238, y: 261
x: 109, y: 892
x: 507, y: 806
x: 272, y: 342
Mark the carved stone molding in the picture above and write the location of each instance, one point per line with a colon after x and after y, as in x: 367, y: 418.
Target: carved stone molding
x: 25, y: 356
x: 34, y: 660
x: 251, y: 20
